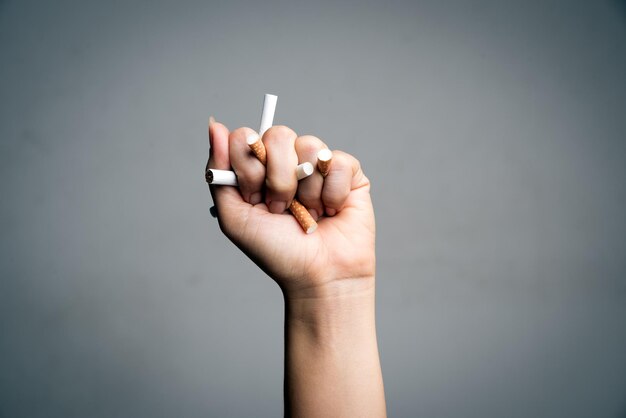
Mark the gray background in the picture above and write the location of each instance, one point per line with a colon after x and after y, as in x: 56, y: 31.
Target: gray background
x: 494, y: 133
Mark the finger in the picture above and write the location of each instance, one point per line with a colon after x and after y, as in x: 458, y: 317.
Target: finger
x: 218, y: 146
x: 340, y: 180
x: 310, y: 188
x: 226, y: 198
x: 250, y: 172
x: 280, y: 175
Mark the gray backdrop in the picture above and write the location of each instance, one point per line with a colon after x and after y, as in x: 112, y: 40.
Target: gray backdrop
x: 494, y: 133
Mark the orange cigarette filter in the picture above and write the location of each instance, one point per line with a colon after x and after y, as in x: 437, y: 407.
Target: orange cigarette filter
x: 324, y: 157
x: 257, y: 147
x: 303, y: 216
x: 296, y: 208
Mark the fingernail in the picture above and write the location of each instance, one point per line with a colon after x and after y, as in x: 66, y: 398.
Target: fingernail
x: 314, y: 214
x: 331, y: 212
x: 277, y: 206
x: 256, y: 198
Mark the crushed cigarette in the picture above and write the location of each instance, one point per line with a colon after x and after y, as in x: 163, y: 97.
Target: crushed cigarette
x: 267, y: 114
x: 303, y: 217
x: 324, y: 157
x: 304, y: 170
x: 257, y: 147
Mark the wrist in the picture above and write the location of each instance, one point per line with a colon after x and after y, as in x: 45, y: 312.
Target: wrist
x: 331, y: 353
x: 338, y: 304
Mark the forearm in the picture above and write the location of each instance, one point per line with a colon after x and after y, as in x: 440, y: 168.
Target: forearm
x: 332, y: 367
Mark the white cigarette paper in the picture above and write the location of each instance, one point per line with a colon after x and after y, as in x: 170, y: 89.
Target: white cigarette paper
x: 267, y: 116
x: 221, y: 177
x: 304, y: 170
x: 229, y: 178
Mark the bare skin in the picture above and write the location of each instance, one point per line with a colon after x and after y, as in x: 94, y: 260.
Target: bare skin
x: 332, y: 367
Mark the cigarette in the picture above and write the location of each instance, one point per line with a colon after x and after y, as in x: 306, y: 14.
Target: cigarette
x: 302, y: 215
x: 229, y: 178
x: 304, y: 170
x: 257, y: 147
x: 267, y: 115
x: 324, y: 157
x: 221, y: 177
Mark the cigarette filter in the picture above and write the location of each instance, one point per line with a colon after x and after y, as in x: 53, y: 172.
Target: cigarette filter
x: 257, y: 147
x: 303, y: 216
x: 324, y: 157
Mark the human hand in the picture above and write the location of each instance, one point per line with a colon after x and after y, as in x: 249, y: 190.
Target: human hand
x: 339, y: 255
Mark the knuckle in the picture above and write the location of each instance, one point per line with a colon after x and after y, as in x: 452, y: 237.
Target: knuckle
x: 308, y: 144
x: 342, y: 157
x: 278, y: 132
x: 316, y: 205
x: 336, y: 190
x: 238, y: 137
x: 240, y: 133
x: 344, y: 161
x: 333, y: 201
x: 251, y: 174
x: 308, y: 196
x: 280, y: 184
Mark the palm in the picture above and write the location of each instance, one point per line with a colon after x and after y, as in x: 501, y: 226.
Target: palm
x: 342, y: 246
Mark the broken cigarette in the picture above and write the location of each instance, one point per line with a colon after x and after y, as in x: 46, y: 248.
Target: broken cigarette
x: 304, y: 170
x: 257, y: 147
x: 229, y: 178
x: 302, y: 215
x: 324, y: 157
x: 267, y: 114
x: 220, y: 177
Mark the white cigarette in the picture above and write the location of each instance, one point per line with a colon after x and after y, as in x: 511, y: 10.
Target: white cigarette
x: 229, y: 178
x: 304, y: 170
x: 267, y: 115
x: 221, y: 177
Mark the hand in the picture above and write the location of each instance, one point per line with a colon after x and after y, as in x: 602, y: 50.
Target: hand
x: 339, y: 255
